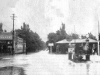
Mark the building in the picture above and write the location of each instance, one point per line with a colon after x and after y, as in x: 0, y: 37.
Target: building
x: 19, y: 45
x: 6, y: 43
x: 62, y: 46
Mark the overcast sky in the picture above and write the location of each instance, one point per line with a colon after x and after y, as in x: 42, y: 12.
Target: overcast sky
x: 45, y: 16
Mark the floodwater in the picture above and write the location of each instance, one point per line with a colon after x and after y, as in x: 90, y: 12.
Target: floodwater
x: 43, y: 63
x: 11, y: 70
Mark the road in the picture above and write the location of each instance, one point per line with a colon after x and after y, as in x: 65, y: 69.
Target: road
x: 43, y: 63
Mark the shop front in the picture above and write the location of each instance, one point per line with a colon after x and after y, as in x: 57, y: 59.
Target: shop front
x: 6, y: 43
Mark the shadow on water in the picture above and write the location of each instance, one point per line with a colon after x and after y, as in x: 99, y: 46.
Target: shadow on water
x: 80, y: 66
x: 11, y: 70
x: 87, y: 67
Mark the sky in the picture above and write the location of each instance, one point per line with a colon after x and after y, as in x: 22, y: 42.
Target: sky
x: 45, y: 16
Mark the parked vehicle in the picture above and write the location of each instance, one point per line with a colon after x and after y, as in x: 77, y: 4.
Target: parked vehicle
x: 82, y: 49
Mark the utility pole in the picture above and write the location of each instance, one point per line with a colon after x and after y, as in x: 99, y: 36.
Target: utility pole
x: 74, y: 33
x: 98, y: 39
x: 13, y: 18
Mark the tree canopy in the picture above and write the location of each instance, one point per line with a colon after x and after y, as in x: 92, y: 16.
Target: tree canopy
x: 33, y: 40
x: 91, y: 36
x: 1, y: 24
x: 61, y: 34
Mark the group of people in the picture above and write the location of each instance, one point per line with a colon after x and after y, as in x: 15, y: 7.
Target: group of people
x: 87, y: 48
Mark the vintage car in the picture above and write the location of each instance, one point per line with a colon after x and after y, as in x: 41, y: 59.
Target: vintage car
x: 81, y: 49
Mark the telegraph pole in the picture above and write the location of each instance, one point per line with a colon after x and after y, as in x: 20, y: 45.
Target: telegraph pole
x: 98, y: 39
x: 13, y: 18
x: 74, y: 33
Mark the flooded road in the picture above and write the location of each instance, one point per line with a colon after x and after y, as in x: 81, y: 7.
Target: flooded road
x: 11, y: 70
x: 43, y: 63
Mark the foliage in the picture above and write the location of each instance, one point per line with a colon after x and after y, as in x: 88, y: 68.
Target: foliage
x: 75, y: 36
x: 1, y: 24
x: 33, y: 41
x: 83, y: 37
x: 91, y: 36
x: 52, y: 37
x: 61, y: 34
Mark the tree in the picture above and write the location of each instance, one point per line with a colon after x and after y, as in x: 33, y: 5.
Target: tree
x: 1, y: 30
x: 83, y: 37
x: 69, y: 37
x: 52, y: 37
x: 33, y: 40
x: 61, y: 33
x: 75, y: 36
x: 92, y: 36
x: 5, y: 30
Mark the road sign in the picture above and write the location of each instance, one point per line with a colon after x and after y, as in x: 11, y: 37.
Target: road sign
x: 50, y: 44
x: 71, y: 50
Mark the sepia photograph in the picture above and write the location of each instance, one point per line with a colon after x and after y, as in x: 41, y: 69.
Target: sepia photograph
x: 49, y: 37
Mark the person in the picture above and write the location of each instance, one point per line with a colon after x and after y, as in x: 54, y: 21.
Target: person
x: 57, y: 48
x: 87, y: 50
x: 94, y: 49
x: 81, y: 48
x: 86, y: 47
x: 26, y: 50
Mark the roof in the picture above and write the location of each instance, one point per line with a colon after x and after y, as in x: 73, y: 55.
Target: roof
x: 76, y: 41
x: 83, y: 41
x: 63, y: 41
x: 5, y: 36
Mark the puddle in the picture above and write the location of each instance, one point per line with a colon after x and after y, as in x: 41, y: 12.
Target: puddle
x: 11, y: 70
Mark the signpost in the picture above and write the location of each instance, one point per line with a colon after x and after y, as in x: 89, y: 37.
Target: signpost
x: 71, y: 51
x: 98, y: 39
x: 51, y: 45
x: 13, y: 17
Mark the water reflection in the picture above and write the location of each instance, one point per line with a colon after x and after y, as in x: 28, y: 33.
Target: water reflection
x: 11, y: 70
x: 87, y: 68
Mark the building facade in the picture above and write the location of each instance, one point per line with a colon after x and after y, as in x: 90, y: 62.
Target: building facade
x: 6, y: 43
